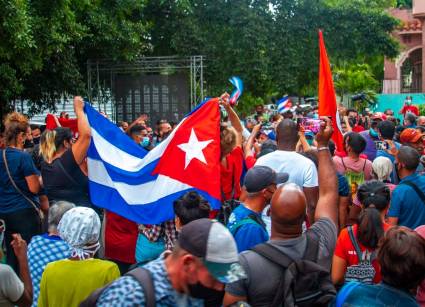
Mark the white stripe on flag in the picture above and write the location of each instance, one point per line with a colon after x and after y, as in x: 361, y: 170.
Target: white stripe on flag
x: 121, y: 159
x: 145, y: 193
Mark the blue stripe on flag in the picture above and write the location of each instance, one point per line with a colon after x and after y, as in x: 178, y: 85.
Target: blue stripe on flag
x: 153, y: 213
x: 119, y: 175
x: 112, y: 133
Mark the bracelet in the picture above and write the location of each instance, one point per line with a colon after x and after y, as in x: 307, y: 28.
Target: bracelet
x: 323, y: 148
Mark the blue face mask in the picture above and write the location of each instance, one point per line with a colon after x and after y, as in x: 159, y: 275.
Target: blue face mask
x: 145, y: 142
x: 316, y: 116
x: 373, y: 133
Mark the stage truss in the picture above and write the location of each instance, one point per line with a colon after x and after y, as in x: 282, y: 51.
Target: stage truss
x: 101, y: 75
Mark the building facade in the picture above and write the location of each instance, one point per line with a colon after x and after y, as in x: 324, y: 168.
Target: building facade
x: 405, y: 73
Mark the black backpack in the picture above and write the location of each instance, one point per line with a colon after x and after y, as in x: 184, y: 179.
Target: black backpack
x: 144, y: 278
x: 303, y: 282
x: 226, y: 210
x: 227, y: 206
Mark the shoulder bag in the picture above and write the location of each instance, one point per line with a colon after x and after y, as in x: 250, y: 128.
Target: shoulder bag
x: 36, y: 208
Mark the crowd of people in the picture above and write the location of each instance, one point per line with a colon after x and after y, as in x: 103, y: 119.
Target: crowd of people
x: 303, y: 222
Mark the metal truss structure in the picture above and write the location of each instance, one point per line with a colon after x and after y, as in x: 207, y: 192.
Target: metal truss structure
x: 101, y: 75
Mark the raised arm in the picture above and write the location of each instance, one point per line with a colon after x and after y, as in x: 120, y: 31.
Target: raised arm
x: 250, y: 141
x: 138, y: 121
x: 327, y: 205
x: 20, y: 249
x: 233, y: 117
x: 302, y: 142
x: 79, y: 149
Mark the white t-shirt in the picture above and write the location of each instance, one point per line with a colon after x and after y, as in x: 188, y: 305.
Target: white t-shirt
x: 301, y: 170
x: 11, y: 287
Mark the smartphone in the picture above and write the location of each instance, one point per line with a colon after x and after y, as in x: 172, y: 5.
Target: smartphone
x: 309, y: 124
x: 381, y: 145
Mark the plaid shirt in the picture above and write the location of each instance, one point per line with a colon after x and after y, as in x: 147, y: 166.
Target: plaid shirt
x: 41, y: 251
x: 127, y: 291
x: 166, y: 230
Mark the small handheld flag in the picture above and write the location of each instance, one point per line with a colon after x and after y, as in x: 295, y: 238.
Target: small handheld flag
x: 284, y: 104
x: 238, y: 84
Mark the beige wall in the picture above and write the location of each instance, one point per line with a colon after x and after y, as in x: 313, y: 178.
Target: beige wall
x: 390, y: 70
x: 419, y: 8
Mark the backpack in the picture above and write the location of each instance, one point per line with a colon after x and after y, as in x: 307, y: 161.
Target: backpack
x: 144, y: 278
x: 250, y: 219
x: 227, y: 206
x: 355, y: 179
x: 363, y: 272
x: 303, y: 282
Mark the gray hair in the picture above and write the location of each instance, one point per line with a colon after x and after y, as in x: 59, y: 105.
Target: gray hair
x: 410, y: 117
x: 56, y: 211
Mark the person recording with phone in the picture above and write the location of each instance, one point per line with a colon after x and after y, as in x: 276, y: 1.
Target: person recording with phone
x: 386, y: 131
x: 354, y: 121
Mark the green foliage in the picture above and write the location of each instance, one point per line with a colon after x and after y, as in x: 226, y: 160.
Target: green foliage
x: 271, y: 45
x: 404, y: 3
x: 422, y: 109
x: 247, y: 104
x: 353, y: 79
x: 45, y: 44
x: 371, y: 4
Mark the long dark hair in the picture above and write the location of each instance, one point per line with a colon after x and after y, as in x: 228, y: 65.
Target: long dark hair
x: 191, y: 206
x: 375, y: 197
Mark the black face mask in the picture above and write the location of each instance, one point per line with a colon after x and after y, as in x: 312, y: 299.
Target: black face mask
x: 198, y: 290
x: 36, y: 140
x: 28, y: 144
x: 352, y: 121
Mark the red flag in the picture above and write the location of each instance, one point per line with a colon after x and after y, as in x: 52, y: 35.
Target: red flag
x: 327, y: 97
x: 52, y: 122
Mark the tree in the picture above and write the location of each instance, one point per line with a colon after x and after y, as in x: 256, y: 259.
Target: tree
x: 404, y: 4
x: 45, y: 44
x: 354, y: 79
x: 347, y: 38
x: 271, y: 45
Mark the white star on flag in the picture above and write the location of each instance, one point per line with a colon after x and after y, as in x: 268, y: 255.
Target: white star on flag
x: 193, y: 149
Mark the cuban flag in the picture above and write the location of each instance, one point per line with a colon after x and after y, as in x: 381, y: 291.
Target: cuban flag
x: 284, y: 104
x: 238, y: 84
x: 140, y: 185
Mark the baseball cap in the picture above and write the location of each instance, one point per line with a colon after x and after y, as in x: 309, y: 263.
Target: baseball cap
x: 379, y: 115
x: 214, y: 244
x: 410, y: 135
x: 309, y: 134
x: 260, y: 177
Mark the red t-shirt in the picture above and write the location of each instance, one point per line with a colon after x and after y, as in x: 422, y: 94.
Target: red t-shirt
x: 358, y: 128
x: 232, y: 173
x: 120, y: 238
x: 344, y: 249
x: 411, y: 108
x: 250, y: 162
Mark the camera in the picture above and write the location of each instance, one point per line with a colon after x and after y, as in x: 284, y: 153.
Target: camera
x: 381, y: 145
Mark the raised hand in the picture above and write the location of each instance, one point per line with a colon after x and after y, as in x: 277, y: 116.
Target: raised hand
x: 325, y: 132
